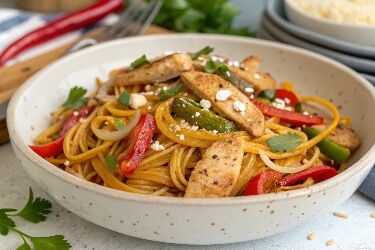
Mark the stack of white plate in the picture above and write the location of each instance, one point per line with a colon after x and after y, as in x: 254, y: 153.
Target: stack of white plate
x: 275, y: 26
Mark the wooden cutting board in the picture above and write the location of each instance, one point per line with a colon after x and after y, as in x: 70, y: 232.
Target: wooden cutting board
x: 13, y: 76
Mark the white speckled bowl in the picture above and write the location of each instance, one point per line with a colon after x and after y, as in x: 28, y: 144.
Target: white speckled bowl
x: 358, y: 34
x: 193, y: 221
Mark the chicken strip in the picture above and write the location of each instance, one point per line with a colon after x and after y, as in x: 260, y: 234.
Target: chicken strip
x: 260, y: 80
x: 217, y: 172
x: 160, y: 70
x: 237, y: 106
x: 250, y: 63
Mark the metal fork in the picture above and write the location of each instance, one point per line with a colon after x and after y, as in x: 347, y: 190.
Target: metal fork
x: 134, y: 20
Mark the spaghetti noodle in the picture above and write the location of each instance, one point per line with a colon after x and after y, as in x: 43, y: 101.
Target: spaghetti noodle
x: 109, y: 145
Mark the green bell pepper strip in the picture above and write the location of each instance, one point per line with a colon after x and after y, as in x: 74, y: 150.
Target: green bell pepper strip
x: 329, y: 148
x: 193, y: 113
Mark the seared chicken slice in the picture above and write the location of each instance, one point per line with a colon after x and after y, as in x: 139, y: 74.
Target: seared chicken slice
x: 237, y: 106
x: 217, y: 172
x: 343, y: 136
x: 260, y: 80
x: 161, y: 70
x: 250, y: 63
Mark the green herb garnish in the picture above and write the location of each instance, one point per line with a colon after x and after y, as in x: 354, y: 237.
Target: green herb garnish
x: 124, y: 99
x: 118, y: 124
x: 209, y: 16
x: 111, y: 161
x: 284, y: 142
x: 211, y: 66
x: 138, y: 63
x: 75, y: 99
x: 165, y: 94
x: 34, y: 211
x: 205, y: 51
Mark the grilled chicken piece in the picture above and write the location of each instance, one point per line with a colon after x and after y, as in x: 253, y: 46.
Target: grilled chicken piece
x: 206, y: 87
x: 260, y: 80
x: 160, y: 70
x: 250, y: 63
x: 217, y: 172
x: 343, y: 136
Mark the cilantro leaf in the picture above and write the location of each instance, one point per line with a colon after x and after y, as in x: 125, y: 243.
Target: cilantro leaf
x: 118, y: 124
x: 35, y: 210
x: 5, y: 222
x: 124, y: 99
x: 75, y: 99
x: 284, y: 142
x: 111, y: 161
x: 138, y: 63
x: 24, y: 246
x: 211, y: 66
x: 205, y: 51
x: 209, y: 16
x: 165, y: 94
x: 50, y: 243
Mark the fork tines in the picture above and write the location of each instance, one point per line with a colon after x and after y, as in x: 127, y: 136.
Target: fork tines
x: 135, y: 19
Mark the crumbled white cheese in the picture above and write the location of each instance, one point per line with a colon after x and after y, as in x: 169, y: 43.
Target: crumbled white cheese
x: 279, y: 103
x: 194, y: 128
x: 182, y: 137
x: 223, y: 94
x: 75, y: 113
x: 137, y: 100
x: 215, y: 132
x: 197, y: 114
x: 249, y: 90
x: 239, y: 106
x: 156, y: 146
x: 66, y: 163
x: 206, y: 104
x: 257, y: 76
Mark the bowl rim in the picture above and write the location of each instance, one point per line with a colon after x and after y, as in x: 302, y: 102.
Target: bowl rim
x: 326, y: 21
x: 365, y: 162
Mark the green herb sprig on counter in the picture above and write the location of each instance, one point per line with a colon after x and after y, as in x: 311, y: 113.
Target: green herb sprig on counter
x: 34, y: 211
x: 209, y: 16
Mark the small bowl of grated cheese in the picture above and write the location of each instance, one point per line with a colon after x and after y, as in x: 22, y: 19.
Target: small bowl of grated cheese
x: 348, y: 20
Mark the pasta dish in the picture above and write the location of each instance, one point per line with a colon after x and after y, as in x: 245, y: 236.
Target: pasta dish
x: 196, y: 125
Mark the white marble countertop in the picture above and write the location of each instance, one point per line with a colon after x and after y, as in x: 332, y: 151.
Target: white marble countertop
x: 355, y: 232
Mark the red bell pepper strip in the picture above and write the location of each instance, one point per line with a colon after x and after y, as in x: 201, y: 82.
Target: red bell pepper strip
x: 140, y: 137
x: 318, y: 173
x: 288, y: 96
x: 262, y: 183
x: 62, y: 25
x: 74, y: 118
x: 290, y: 117
x: 56, y: 147
x: 50, y: 149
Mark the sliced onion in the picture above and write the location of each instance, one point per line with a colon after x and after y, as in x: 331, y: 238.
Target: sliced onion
x: 119, y: 134
x: 290, y: 170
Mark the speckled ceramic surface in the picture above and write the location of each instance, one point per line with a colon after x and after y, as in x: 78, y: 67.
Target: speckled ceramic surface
x: 193, y: 221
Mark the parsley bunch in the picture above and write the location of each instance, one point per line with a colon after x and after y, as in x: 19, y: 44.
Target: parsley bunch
x: 34, y: 211
x: 208, y: 16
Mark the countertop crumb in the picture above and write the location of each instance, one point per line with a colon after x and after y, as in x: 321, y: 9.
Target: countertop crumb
x: 330, y: 242
x: 311, y: 236
x: 342, y: 215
